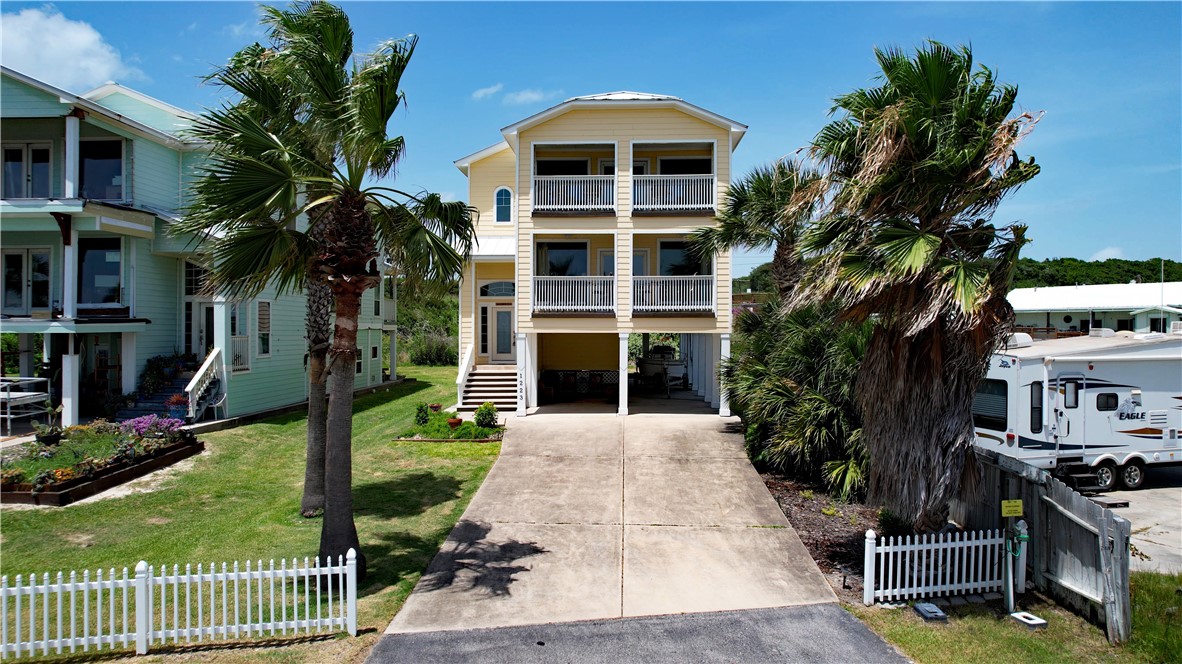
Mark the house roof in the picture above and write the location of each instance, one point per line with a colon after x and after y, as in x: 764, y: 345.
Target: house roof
x: 111, y: 87
x: 464, y: 162
x: 98, y: 109
x: 626, y: 98
x: 1102, y: 297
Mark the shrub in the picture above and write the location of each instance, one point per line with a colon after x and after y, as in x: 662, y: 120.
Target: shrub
x: 422, y: 414
x: 486, y: 415
x: 433, y: 349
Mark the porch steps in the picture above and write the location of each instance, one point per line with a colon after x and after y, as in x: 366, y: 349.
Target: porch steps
x: 154, y: 404
x: 495, y: 384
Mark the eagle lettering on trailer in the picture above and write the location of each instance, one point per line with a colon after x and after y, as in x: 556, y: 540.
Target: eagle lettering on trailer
x: 1128, y: 410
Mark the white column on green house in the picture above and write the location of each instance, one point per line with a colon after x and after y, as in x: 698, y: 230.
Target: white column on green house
x: 623, y: 409
x: 724, y: 407
x: 70, y: 166
x: 70, y: 274
x: 24, y: 344
x: 221, y: 339
x: 523, y: 374
x: 128, y: 362
x: 71, y: 373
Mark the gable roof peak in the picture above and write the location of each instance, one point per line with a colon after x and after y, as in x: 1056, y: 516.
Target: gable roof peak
x: 625, y: 95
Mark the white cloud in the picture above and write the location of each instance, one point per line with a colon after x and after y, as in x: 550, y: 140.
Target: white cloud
x: 72, y: 55
x: 250, y: 29
x: 1108, y: 252
x: 530, y: 96
x: 488, y: 92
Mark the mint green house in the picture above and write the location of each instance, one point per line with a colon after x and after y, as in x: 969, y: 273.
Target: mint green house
x: 90, y: 185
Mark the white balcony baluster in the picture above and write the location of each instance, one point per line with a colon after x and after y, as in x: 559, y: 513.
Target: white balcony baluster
x: 574, y: 193
x: 689, y: 294
x: 574, y: 294
x: 672, y: 192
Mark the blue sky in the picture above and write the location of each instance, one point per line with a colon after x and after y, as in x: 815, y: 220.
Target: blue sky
x: 1107, y: 75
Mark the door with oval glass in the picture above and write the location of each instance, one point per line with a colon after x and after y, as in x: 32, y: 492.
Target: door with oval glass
x: 504, y: 340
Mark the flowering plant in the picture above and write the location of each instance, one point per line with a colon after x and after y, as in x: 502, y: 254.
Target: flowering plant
x: 178, y: 399
x: 153, y: 425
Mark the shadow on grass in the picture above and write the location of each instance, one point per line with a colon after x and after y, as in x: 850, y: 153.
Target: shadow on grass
x: 406, y: 495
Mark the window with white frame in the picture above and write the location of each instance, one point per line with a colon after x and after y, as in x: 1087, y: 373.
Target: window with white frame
x: 100, y: 271
x: 377, y: 303
x: 27, y: 169
x: 504, y: 205
x: 264, y: 327
x: 100, y: 169
x: 239, y: 325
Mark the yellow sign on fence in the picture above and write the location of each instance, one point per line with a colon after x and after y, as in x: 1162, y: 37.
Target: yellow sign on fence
x: 1011, y: 507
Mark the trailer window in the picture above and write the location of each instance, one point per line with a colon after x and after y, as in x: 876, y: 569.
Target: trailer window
x: 1036, y: 407
x: 1071, y: 394
x: 990, y: 405
x: 1106, y: 401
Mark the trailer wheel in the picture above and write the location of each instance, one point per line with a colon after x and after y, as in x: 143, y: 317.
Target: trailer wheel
x: 1132, y: 475
x: 1105, y: 475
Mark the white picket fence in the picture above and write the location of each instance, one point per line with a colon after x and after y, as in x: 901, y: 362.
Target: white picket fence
x: 914, y: 566
x: 117, y: 611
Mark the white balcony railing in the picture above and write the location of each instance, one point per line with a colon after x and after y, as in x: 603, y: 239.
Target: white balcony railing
x: 240, y: 353
x: 674, y: 294
x: 574, y: 193
x: 655, y: 193
x: 574, y: 294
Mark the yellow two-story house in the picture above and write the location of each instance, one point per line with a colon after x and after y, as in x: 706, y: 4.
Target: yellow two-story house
x: 584, y: 213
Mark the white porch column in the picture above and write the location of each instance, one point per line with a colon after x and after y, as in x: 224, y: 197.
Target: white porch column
x: 393, y: 354
x: 221, y: 339
x: 71, y: 374
x: 724, y: 407
x: 712, y: 371
x: 531, y: 392
x: 623, y: 409
x: 523, y: 373
x: 70, y: 167
x: 70, y: 276
x: 699, y: 365
x: 127, y: 361
x: 24, y: 344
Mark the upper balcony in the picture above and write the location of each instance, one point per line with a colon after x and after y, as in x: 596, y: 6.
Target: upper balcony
x: 664, y: 179
x: 46, y: 167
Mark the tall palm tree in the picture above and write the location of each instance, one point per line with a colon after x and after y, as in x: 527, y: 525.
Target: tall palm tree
x: 276, y: 212
x: 758, y: 212
x: 915, y: 169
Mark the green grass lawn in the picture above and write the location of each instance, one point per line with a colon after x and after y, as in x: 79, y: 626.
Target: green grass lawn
x: 980, y: 633
x: 241, y: 500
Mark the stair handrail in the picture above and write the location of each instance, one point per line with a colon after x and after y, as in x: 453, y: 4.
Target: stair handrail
x: 205, y: 375
x: 466, y: 365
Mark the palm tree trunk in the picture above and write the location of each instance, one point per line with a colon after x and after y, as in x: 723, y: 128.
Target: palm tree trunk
x: 318, y: 321
x: 338, y: 532
x: 785, y: 268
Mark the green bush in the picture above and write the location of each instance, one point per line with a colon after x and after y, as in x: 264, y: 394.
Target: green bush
x: 486, y: 415
x: 433, y: 349
x: 422, y: 414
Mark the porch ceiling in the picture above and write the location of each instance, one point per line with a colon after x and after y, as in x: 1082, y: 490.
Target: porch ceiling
x: 76, y: 326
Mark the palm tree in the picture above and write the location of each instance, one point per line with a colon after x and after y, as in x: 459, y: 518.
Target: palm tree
x: 276, y: 211
x: 915, y: 170
x: 758, y: 212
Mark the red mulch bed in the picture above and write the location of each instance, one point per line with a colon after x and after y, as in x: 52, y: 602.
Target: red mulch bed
x: 834, y: 532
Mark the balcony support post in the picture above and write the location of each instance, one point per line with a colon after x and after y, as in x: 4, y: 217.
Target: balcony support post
x: 127, y: 361
x: 24, y: 345
x: 70, y: 186
x: 523, y: 374
x: 724, y: 354
x: 715, y: 354
x: 71, y: 373
x: 221, y: 339
x: 623, y: 409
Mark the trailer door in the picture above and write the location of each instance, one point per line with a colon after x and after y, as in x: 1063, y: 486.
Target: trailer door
x: 1070, y: 414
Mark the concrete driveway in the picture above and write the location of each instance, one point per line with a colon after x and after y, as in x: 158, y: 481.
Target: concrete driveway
x: 589, y: 516
x: 1155, y: 512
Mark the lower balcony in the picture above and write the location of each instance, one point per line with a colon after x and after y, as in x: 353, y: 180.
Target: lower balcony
x: 574, y: 295
x: 673, y: 295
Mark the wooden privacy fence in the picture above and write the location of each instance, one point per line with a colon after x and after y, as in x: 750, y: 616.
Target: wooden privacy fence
x: 932, y: 565
x: 1078, y: 550
x: 39, y: 615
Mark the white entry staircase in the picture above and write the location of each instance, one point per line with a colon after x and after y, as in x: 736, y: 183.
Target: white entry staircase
x: 491, y: 382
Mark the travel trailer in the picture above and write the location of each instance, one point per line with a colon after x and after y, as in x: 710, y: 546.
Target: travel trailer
x: 1107, y: 405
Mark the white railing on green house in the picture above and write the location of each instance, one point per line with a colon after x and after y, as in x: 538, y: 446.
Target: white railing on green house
x: 659, y: 193
x: 110, y: 611
x: 578, y: 294
x: 210, y: 370
x: 240, y: 353
x: 467, y: 362
x: 574, y: 193
x: 689, y: 294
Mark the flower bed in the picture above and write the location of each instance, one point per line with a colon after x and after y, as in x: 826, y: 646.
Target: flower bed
x: 95, y: 457
x: 436, y: 428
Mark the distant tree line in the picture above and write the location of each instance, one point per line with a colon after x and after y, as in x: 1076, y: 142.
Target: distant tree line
x: 1031, y: 273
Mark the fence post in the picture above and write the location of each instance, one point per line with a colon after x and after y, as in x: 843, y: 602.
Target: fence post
x: 868, y: 569
x: 1023, y: 540
x: 351, y: 592
x: 143, y: 617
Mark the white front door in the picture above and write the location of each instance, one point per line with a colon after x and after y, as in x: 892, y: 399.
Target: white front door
x: 504, y: 340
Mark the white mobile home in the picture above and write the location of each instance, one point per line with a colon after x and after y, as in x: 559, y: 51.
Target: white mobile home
x: 1055, y: 310
x: 1108, y: 404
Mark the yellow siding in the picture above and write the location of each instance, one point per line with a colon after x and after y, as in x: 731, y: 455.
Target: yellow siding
x: 470, y: 301
x: 579, y: 351
x: 484, y: 178
x: 466, y: 326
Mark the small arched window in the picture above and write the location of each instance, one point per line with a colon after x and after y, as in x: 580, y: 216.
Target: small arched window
x: 504, y: 201
x: 497, y: 289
